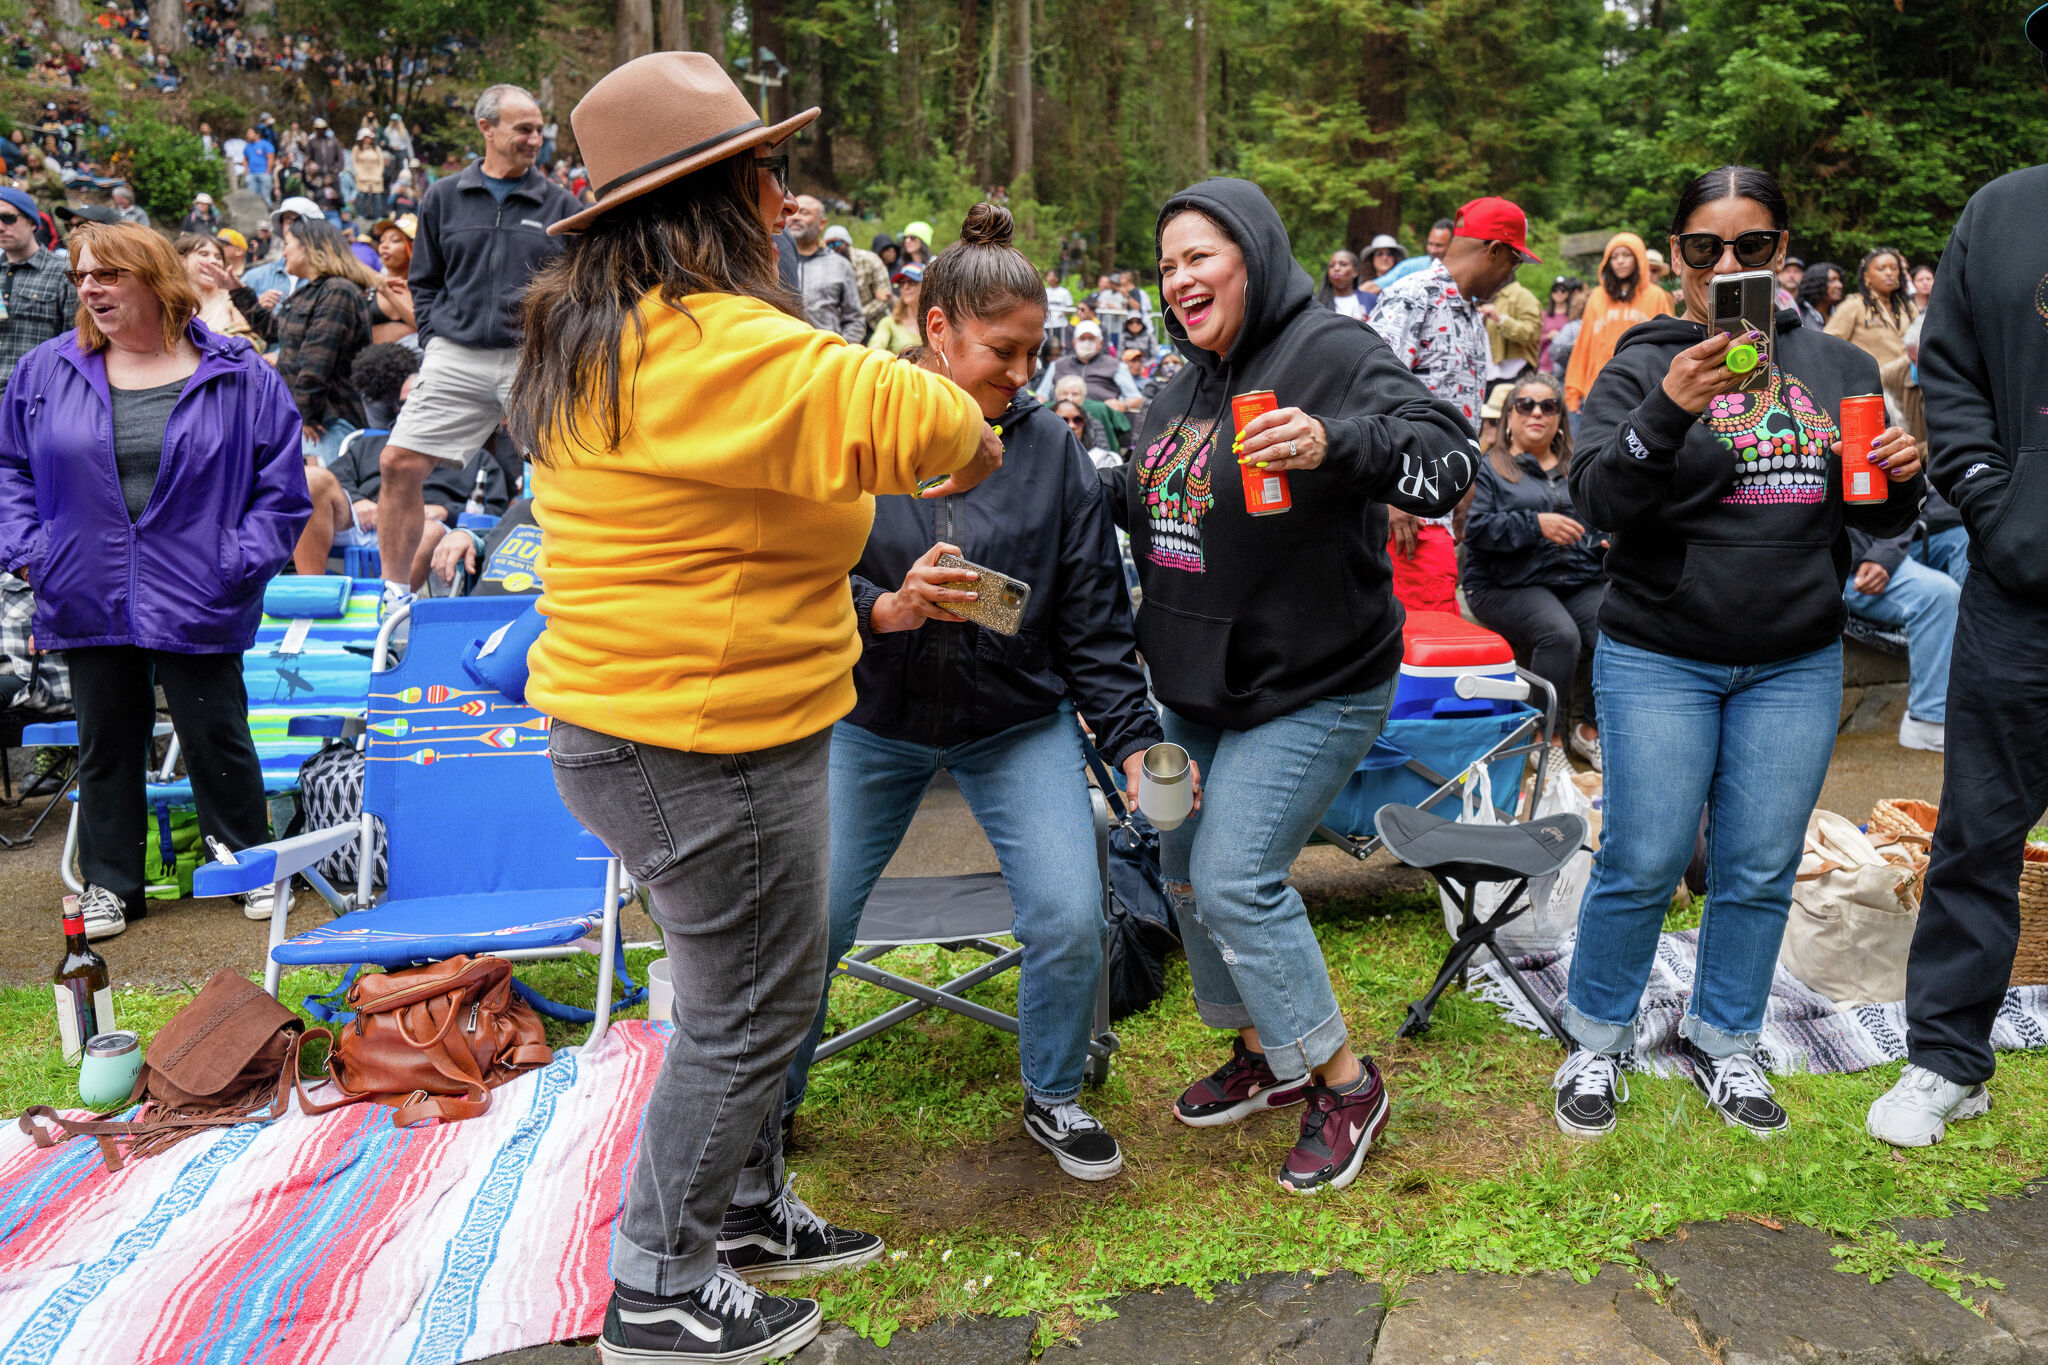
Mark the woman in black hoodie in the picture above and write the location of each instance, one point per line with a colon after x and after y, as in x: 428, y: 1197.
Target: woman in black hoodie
x: 996, y: 711
x: 1719, y: 668
x: 1272, y: 640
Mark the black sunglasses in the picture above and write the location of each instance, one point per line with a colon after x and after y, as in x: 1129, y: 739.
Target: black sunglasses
x: 1527, y: 406
x: 777, y: 166
x: 1702, y: 250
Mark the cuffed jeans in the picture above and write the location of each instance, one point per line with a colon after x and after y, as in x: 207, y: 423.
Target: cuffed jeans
x: 1923, y: 600
x: 1252, y: 953
x: 1994, y: 786
x: 1028, y: 789
x: 1751, y: 744
x: 732, y: 849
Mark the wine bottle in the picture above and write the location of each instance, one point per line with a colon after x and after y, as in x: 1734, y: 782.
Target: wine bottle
x: 85, y: 999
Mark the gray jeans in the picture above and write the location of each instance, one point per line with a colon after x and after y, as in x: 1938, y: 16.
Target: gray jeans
x: 735, y: 851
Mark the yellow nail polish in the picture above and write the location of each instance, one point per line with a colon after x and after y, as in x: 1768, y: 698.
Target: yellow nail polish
x: 1262, y: 464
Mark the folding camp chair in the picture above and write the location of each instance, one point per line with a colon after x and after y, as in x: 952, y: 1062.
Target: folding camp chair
x: 959, y: 914
x: 311, y: 657
x: 483, y: 856
x: 1463, y: 857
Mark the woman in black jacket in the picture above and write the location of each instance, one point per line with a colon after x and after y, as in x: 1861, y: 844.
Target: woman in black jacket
x: 1273, y: 639
x: 1532, y: 566
x: 997, y: 710
x: 1719, y: 668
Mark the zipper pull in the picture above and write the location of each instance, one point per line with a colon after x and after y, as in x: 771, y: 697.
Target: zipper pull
x: 476, y: 1008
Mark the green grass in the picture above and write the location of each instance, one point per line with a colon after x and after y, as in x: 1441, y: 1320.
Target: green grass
x: 915, y: 1135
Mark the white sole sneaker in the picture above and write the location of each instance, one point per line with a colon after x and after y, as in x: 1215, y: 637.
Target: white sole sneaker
x: 1273, y: 1097
x: 787, y: 1342
x: 1080, y: 1170
x: 782, y: 1271
x: 1974, y: 1105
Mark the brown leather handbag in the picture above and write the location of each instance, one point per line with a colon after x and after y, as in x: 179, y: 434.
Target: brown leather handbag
x: 432, y: 1041
x: 231, y: 1056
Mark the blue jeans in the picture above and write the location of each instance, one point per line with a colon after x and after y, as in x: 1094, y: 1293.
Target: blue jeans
x: 1252, y: 953
x: 1750, y: 744
x: 328, y: 447
x: 259, y: 185
x: 1924, y: 601
x: 1028, y: 788
x: 1948, y: 551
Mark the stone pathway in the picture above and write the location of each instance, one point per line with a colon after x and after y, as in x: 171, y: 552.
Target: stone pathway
x: 1738, y: 1293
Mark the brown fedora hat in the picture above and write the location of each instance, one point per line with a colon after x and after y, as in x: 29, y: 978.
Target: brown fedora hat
x: 656, y: 119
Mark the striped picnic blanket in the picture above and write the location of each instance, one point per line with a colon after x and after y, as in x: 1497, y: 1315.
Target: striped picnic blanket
x: 1803, y: 1030
x: 337, y: 1238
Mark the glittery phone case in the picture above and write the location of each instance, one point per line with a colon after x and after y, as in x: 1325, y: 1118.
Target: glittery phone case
x: 1000, y: 599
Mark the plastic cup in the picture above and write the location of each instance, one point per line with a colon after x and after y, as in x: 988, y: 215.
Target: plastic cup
x: 1166, y: 792
x: 661, y: 993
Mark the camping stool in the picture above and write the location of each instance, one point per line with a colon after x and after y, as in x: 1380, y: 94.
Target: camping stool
x: 1463, y: 857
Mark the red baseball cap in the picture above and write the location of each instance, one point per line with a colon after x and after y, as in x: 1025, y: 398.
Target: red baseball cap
x: 1496, y: 220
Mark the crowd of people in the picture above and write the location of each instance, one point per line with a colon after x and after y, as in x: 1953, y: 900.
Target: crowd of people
x: 753, y: 443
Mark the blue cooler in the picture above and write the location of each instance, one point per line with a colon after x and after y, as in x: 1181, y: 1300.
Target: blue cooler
x: 1438, y: 648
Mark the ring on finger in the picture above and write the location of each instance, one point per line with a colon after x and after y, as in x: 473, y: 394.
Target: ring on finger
x: 1290, y: 450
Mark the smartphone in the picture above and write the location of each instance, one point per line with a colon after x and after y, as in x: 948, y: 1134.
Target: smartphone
x: 999, y: 601
x: 1745, y: 302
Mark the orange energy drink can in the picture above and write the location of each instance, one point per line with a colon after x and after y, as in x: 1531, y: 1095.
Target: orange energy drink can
x: 1862, y: 424
x: 1265, y: 490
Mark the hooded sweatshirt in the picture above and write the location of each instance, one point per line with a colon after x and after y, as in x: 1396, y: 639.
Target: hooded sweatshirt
x: 1984, y: 371
x: 1248, y: 618
x: 1729, y: 534
x: 1607, y: 318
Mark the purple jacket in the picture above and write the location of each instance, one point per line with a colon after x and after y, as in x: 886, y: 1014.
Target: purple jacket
x: 229, y: 504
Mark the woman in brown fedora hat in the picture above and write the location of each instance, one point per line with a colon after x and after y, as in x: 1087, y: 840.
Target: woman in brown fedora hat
x: 703, y: 464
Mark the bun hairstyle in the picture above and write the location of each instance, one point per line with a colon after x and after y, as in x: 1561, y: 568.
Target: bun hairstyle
x: 981, y: 275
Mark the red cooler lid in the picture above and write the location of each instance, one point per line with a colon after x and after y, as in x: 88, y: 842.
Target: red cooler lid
x: 1437, y: 639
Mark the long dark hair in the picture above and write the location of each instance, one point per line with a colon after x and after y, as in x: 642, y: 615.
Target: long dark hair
x: 1895, y: 309
x: 1619, y: 289
x: 981, y: 275
x: 1813, y: 286
x: 1502, y: 456
x: 700, y: 234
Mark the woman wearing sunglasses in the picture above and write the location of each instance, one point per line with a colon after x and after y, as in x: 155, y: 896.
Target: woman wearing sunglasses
x: 150, y: 485
x: 1622, y: 298
x: 1532, y: 565
x: 1719, y: 668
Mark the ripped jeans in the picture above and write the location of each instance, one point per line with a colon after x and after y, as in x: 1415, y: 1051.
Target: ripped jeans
x: 1251, y: 951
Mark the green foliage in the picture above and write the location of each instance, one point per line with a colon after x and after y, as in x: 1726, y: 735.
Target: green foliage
x: 227, y: 115
x: 1881, y: 1254
x: 162, y: 162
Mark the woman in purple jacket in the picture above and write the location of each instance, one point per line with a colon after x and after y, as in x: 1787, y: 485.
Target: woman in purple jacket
x: 151, y: 483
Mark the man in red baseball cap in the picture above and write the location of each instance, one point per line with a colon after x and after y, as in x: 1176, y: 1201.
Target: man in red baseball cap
x: 1432, y: 320
x: 1496, y: 220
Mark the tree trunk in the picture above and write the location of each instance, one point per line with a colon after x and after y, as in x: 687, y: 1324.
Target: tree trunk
x: 1198, y: 88
x: 965, y: 62
x: 708, y: 22
x: 70, y: 15
x: 764, y: 30
x: 1020, y: 100
x: 1383, y: 95
x: 167, y: 25
x: 256, y: 17
x: 632, y: 31
x: 675, y: 26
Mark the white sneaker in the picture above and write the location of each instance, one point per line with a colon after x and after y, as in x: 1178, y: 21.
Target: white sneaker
x: 1588, y: 749
x: 259, y: 903
x: 1932, y: 736
x: 102, y: 910
x: 1917, y: 1111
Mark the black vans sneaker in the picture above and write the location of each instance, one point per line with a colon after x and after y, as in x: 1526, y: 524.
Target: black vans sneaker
x: 1083, y: 1147
x: 1588, y: 1086
x: 1738, y: 1090
x: 721, y: 1322
x: 784, y: 1240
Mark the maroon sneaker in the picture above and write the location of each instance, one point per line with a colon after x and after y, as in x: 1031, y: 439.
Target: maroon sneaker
x: 1239, y: 1088
x: 1336, y: 1133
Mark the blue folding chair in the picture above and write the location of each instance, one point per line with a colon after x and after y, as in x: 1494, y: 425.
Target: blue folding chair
x: 311, y: 658
x: 483, y: 856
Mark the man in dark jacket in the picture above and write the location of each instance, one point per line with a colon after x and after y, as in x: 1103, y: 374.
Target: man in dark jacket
x: 1983, y: 369
x: 482, y: 234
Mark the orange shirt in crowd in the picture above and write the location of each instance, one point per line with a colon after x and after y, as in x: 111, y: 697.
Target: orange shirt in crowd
x: 1606, y: 319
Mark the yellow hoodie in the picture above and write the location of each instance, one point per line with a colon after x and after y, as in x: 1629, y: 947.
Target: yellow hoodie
x: 696, y: 577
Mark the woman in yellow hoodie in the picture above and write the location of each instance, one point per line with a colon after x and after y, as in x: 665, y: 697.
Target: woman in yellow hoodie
x: 1624, y: 298
x: 704, y: 465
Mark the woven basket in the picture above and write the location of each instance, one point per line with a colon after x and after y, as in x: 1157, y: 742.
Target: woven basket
x: 1903, y: 818
x: 2030, y: 962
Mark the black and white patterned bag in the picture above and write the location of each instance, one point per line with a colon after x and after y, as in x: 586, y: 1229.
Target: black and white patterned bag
x: 330, y: 795
x: 45, y: 680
